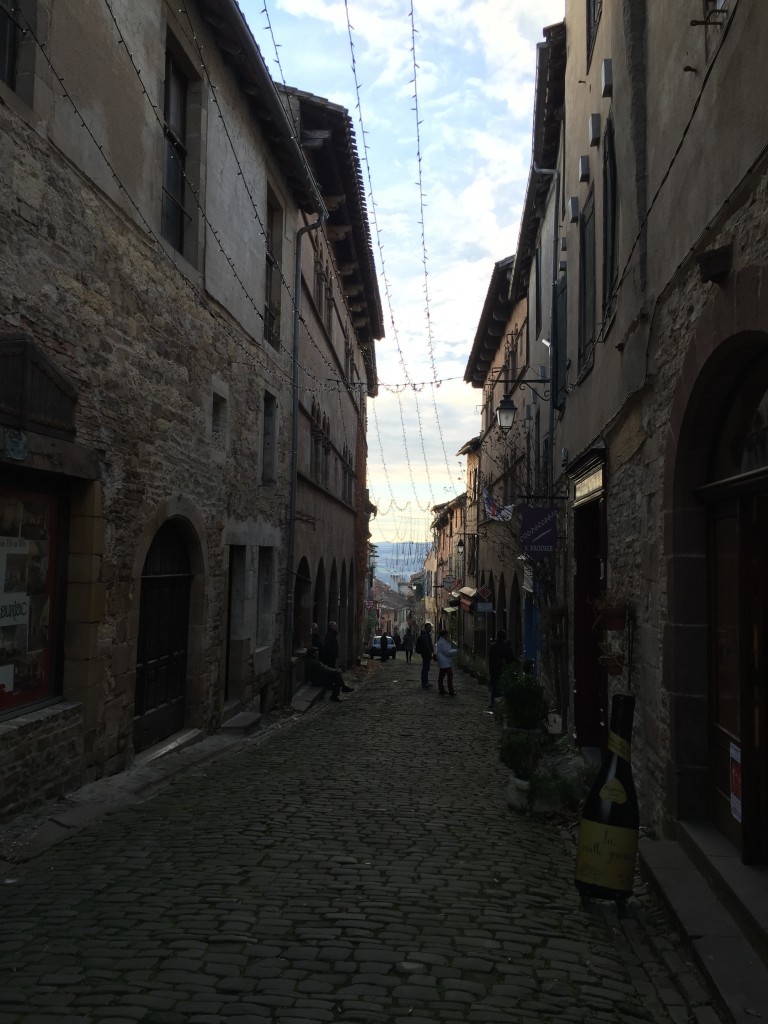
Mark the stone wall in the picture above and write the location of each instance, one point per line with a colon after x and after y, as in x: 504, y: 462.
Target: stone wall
x: 41, y: 756
x: 136, y: 334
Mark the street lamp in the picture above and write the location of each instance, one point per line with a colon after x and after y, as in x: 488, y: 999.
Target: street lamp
x: 507, y: 410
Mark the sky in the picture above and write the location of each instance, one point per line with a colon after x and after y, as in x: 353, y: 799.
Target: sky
x: 440, y: 93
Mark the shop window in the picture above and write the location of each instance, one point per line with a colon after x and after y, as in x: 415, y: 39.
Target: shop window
x: 30, y: 526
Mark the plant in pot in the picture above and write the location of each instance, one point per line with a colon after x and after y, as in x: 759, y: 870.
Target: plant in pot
x: 525, y: 701
x: 520, y: 751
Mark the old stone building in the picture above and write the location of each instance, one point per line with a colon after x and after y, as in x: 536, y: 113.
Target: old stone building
x: 186, y: 301
x: 641, y: 260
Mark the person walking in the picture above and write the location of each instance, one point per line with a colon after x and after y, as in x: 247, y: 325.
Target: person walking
x: 445, y: 653
x: 500, y: 654
x: 425, y: 648
x: 384, y: 646
x: 408, y: 641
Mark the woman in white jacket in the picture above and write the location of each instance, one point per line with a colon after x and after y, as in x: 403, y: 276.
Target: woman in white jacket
x: 445, y: 654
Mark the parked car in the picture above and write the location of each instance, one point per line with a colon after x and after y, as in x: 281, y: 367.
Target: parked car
x: 375, y: 649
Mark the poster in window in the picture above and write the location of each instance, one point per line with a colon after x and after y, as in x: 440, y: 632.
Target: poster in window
x: 27, y: 534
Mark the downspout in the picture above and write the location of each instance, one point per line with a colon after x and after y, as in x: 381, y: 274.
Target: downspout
x: 561, y: 668
x: 289, y: 573
x: 554, y: 173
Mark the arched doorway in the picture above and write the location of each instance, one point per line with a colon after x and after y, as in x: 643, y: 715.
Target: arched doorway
x: 302, y: 605
x: 716, y: 642
x: 161, y: 661
x: 320, y: 601
x: 736, y: 496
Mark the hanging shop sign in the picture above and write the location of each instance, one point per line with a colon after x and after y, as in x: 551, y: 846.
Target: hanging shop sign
x: 538, y: 530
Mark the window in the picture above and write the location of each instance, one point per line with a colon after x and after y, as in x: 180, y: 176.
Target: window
x: 320, y: 288
x: 175, y: 216
x: 610, y: 212
x: 30, y: 596
x: 9, y: 30
x: 219, y: 422
x: 586, y: 279
x: 272, y: 281
x: 594, y: 10
x: 538, y: 291
x: 182, y: 152
x: 269, y: 440
x: 560, y: 341
x: 328, y: 305
x: 265, y: 596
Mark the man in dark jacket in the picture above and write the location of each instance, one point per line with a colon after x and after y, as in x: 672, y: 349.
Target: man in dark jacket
x: 323, y: 675
x: 426, y: 648
x: 330, y: 651
x: 500, y: 654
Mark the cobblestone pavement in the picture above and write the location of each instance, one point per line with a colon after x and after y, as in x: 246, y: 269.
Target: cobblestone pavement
x: 361, y: 866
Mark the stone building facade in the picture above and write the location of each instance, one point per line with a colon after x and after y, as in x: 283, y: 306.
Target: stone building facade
x: 641, y: 251
x: 157, y: 211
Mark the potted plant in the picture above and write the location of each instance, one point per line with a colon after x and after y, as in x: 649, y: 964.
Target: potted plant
x: 525, y: 704
x: 520, y: 751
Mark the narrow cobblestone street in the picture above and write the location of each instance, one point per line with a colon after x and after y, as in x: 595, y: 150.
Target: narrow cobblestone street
x: 360, y: 866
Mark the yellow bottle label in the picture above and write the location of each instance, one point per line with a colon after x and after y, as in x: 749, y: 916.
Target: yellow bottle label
x: 606, y: 856
x: 614, y: 791
x: 618, y: 746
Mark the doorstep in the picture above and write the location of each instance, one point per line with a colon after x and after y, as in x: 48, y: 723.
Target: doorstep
x: 722, y: 907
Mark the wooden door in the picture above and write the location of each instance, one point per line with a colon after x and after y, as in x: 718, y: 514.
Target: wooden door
x: 161, y: 667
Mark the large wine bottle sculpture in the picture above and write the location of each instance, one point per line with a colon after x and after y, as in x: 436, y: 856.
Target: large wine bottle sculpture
x: 608, y: 834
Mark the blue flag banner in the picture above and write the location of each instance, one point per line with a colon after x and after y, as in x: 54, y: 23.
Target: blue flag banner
x: 538, y: 530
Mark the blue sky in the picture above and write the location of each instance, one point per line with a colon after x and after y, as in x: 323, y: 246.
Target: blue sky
x: 462, y: 170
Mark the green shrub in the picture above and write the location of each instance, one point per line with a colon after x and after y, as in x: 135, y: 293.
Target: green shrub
x: 525, y: 701
x: 520, y: 751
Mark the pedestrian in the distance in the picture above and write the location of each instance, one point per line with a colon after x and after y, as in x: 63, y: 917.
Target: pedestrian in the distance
x: 408, y: 641
x: 329, y: 654
x: 384, y: 646
x: 445, y: 653
x: 425, y: 648
x: 500, y: 654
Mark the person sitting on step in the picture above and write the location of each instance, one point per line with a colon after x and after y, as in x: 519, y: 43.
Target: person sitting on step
x: 318, y: 674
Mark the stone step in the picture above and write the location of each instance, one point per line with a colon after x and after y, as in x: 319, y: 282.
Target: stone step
x: 230, y: 709
x: 724, y: 950
x: 178, y: 741
x: 305, y: 697
x: 243, y: 723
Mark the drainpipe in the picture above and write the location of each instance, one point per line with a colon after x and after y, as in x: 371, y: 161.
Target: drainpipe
x: 289, y: 573
x: 554, y: 173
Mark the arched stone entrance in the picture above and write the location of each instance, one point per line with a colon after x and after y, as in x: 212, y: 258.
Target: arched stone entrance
x: 162, y: 646
x: 716, y: 634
